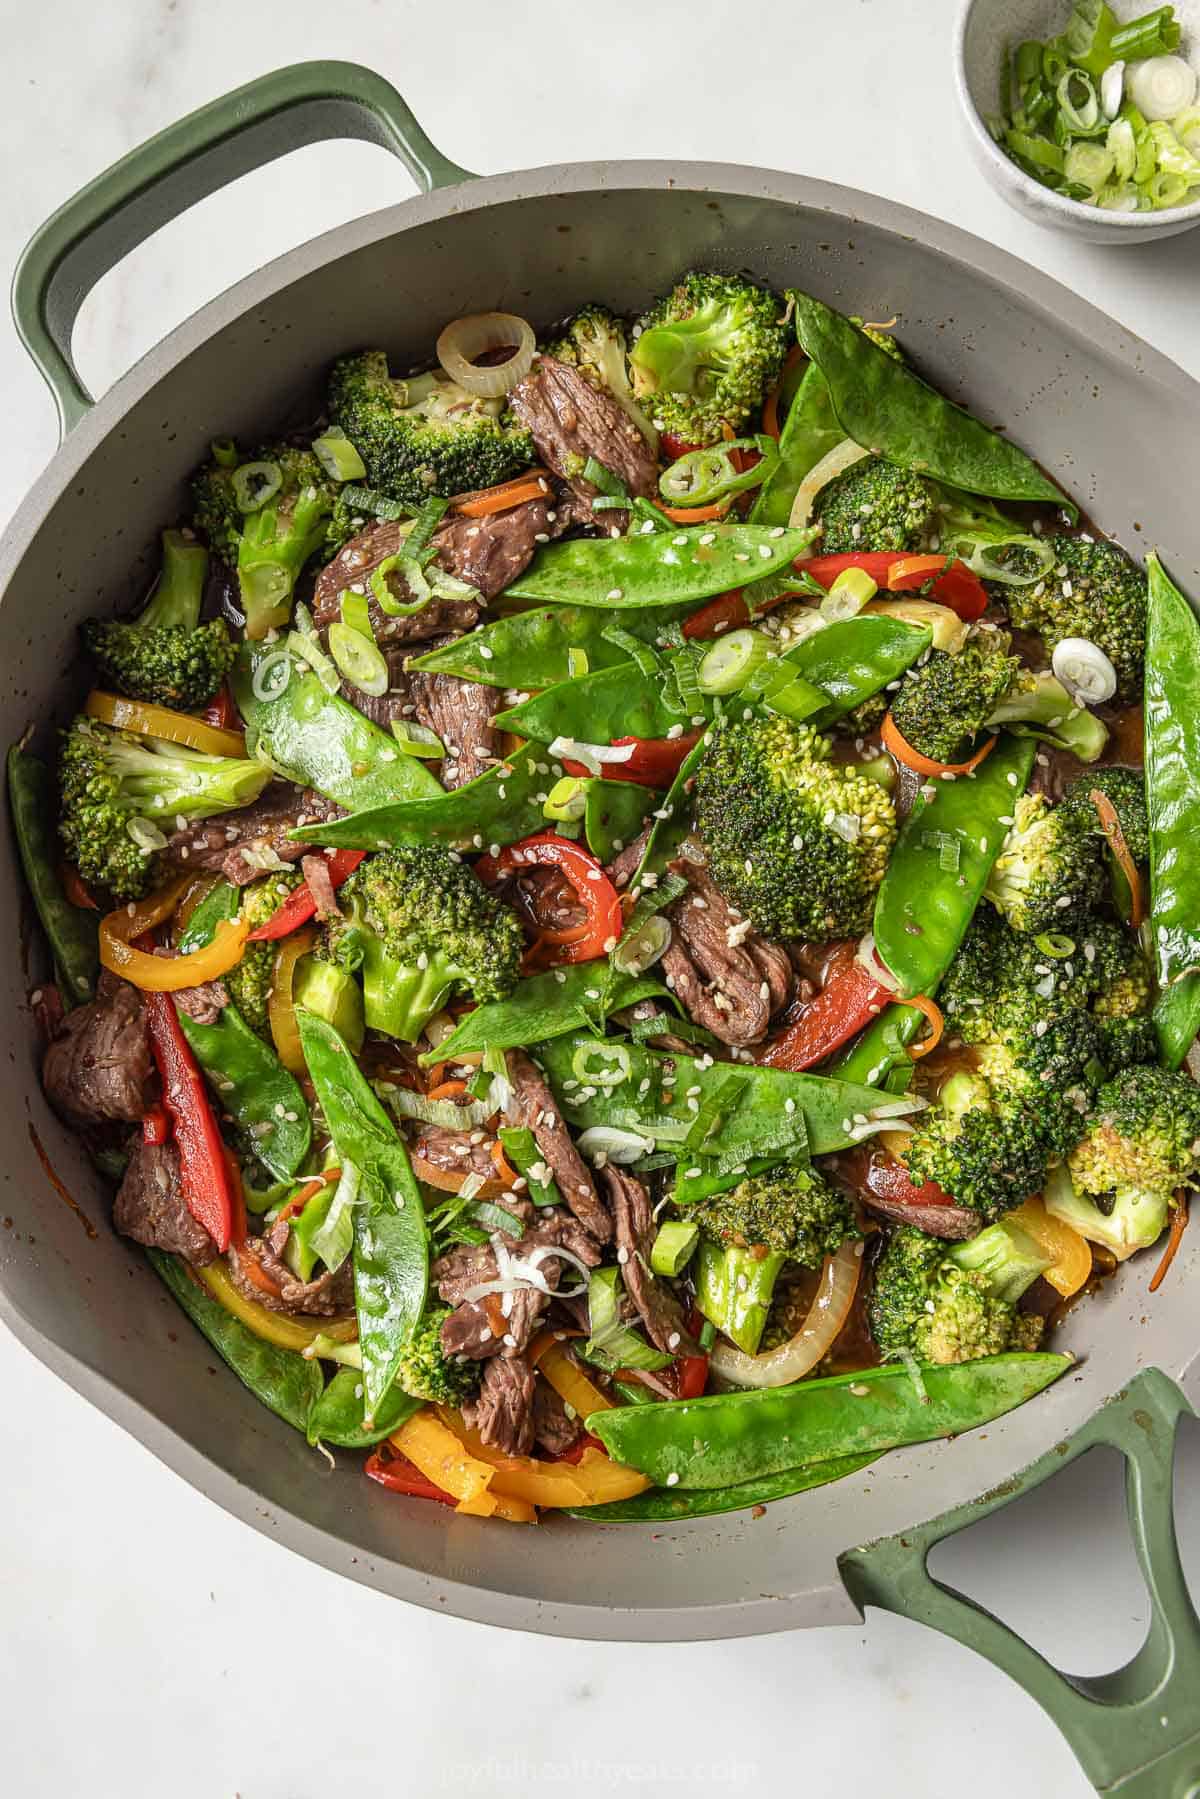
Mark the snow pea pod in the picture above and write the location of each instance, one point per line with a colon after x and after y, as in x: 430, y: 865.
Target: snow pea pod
x: 941, y: 863
x: 760, y: 1120
x: 542, y: 1007
x: 533, y: 649
x: 662, y: 569
x: 1177, y: 1019
x: 887, y: 408
x: 810, y: 431
x: 729, y: 1438
x: 856, y: 658
x: 672, y: 822
x: 282, y: 1379
x: 878, y: 1056
x: 501, y: 806
x: 391, y: 1243
x: 71, y: 932
x: 336, y: 1416
x: 1172, y: 702
x: 668, y: 1505
x: 614, y: 702
x: 254, y: 1087
x: 320, y: 741
x: 615, y: 813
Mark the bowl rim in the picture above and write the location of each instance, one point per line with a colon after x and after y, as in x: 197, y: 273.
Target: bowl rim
x: 1045, y: 198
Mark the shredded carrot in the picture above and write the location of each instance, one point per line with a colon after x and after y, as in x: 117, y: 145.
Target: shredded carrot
x: 937, y: 1025
x: 258, y: 1277
x: 502, y: 1165
x: 446, y: 1089
x: 1179, y: 1220
x: 309, y: 1191
x: 1111, y: 826
x: 770, y: 412
x: 695, y: 515
x: 534, y: 485
x: 434, y: 1077
x: 449, y: 1180
x: 75, y: 888
x: 904, y: 752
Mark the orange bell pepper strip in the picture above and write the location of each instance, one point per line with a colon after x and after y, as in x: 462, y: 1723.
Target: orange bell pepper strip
x: 1071, y: 1267
x: 165, y: 974
x: 163, y: 723
x: 439, y: 1453
x: 550, y: 1357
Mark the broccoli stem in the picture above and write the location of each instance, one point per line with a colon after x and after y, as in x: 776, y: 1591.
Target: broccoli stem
x: 399, y: 1000
x: 1048, y: 711
x: 179, y: 591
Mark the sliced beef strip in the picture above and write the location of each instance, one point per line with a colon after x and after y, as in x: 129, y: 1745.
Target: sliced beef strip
x: 731, y: 980
x: 150, y: 1208
x: 327, y: 1296
x: 533, y: 1106
x: 99, y: 1068
x: 453, y: 1151
x: 956, y: 1223
x: 491, y: 552
x: 460, y: 713
x: 553, y: 1431
x: 204, y: 1003
x: 382, y: 708
x: 472, y: 1329
x: 232, y: 844
x: 503, y: 1413
x: 624, y: 865
x: 351, y: 569
x: 657, y: 1306
x: 572, y: 420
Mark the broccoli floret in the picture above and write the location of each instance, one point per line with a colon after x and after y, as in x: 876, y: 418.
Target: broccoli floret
x: 955, y: 1304
x: 1047, y: 872
x: 705, y: 355
x: 249, y: 983
x: 795, y: 841
x: 1095, y: 591
x: 787, y: 1215
x: 1126, y: 1042
x: 121, y: 794
x: 949, y: 699
x: 268, y: 542
x: 1144, y: 1135
x: 983, y: 1145
x: 594, y: 343
x: 425, y: 435
x: 1125, y: 790
x: 874, y: 505
x: 418, y: 925
x: 426, y: 1372
x: 165, y: 655
x: 789, y: 1208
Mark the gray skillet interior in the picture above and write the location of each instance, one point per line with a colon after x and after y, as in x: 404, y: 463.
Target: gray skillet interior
x: 1112, y: 418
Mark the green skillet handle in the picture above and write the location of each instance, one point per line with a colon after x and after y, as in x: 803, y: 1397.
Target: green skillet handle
x: 304, y: 104
x: 1136, y: 1731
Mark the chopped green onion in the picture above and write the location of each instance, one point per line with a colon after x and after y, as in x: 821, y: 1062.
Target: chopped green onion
x: 612, y: 1344
x: 848, y: 594
x: 338, y: 456
x: 567, y: 798
x: 224, y: 452
x: 418, y: 740
x: 1161, y: 86
x: 634, y: 647
x: 356, y: 613
x: 254, y: 483
x: 1122, y: 147
x: 1088, y: 164
x: 1187, y: 129
x: 947, y: 846
x: 1054, y: 943
x: 333, y: 1240
x: 731, y: 661
x: 379, y: 505
x: 641, y: 949
x: 359, y: 659
x: 1078, y: 101
x: 577, y: 663
x: 614, y: 1068
x: 309, y: 650
x: 605, y: 481
x: 414, y: 575
x: 521, y: 1148
x: 682, y: 693
x: 1173, y: 157
x: 673, y: 1247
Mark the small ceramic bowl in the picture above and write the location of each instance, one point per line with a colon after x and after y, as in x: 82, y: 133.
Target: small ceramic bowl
x: 987, y: 30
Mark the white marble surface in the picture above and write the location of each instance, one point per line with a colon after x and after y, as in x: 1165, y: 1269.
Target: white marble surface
x: 148, y: 1643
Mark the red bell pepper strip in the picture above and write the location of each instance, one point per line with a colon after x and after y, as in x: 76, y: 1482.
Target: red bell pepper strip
x: 850, y: 998
x: 728, y: 612
x: 302, y: 904
x: 654, y: 763
x: 576, y: 1452
x: 156, y: 1127
x: 691, y: 1375
x: 208, y: 1191
x: 672, y: 447
x: 591, y: 886
x: 398, y: 1475
x: 955, y: 586
x: 889, y: 1179
x: 221, y: 710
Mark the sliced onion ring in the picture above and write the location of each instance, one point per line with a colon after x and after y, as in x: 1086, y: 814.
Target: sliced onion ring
x: 811, y: 1343
x: 465, y: 339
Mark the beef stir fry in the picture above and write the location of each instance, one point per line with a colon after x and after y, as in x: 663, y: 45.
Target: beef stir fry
x: 645, y: 940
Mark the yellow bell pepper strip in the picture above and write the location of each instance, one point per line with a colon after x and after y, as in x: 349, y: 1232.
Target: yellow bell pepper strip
x: 548, y: 1354
x: 441, y: 1457
x: 161, y: 722
x: 272, y: 1327
x: 553, y: 1485
x: 119, y: 931
x: 281, y: 1011
x: 498, y: 1505
x: 1071, y: 1266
